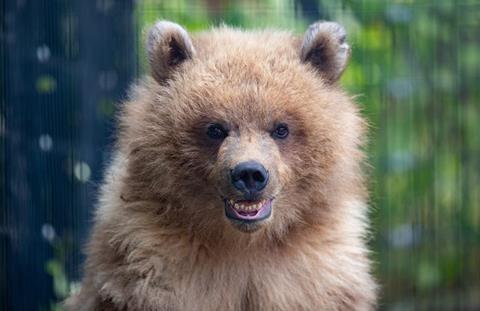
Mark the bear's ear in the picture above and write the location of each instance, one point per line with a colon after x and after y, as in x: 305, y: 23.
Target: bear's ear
x: 324, y: 46
x: 168, y: 45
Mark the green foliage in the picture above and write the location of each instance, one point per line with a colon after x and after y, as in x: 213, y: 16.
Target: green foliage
x: 55, y: 267
x: 46, y: 84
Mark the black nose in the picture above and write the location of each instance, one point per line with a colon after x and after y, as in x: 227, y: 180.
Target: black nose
x: 249, y: 177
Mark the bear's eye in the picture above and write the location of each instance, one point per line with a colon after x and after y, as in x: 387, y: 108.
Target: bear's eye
x: 281, y: 131
x: 216, y: 131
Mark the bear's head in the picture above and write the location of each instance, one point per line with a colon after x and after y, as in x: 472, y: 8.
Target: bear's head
x: 244, y: 130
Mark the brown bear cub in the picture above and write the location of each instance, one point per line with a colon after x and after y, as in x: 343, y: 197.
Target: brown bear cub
x: 237, y: 180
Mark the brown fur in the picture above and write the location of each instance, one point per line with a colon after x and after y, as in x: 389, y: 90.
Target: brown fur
x: 161, y: 240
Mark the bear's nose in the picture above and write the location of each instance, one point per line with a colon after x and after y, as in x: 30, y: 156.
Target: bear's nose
x: 249, y: 177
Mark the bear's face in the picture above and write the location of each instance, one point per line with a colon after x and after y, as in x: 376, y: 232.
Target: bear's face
x: 247, y: 127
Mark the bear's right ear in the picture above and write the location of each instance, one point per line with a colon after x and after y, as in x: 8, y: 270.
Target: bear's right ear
x: 326, y: 49
x: 168, y: 45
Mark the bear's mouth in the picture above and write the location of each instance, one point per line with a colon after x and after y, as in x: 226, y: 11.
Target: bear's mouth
x: 248, y: 211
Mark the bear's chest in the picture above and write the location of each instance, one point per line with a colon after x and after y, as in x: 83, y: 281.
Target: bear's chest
x: 252, y: 286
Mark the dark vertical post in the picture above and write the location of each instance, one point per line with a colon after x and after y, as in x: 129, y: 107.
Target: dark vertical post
x: 65, y: 64
x: 311, y: 10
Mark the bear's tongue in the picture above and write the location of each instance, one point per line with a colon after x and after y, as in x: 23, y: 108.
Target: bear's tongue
x: 248, y: 210
x: 250, y: 213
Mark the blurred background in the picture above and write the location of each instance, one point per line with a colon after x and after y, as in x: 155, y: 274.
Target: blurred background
x: 65, y: 66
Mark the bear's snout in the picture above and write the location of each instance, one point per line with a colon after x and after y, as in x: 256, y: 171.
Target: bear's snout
x: 250, y: 178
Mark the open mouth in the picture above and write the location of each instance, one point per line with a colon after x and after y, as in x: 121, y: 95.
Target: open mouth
x: 248, y: 211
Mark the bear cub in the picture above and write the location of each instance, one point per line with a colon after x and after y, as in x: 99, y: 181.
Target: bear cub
x: 237, y: 179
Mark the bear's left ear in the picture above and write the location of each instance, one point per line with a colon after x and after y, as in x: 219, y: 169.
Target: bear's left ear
x: 325, y: 48
x: 168, y: 46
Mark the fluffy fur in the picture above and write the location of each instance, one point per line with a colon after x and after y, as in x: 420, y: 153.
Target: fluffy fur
x: 161, y: 240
